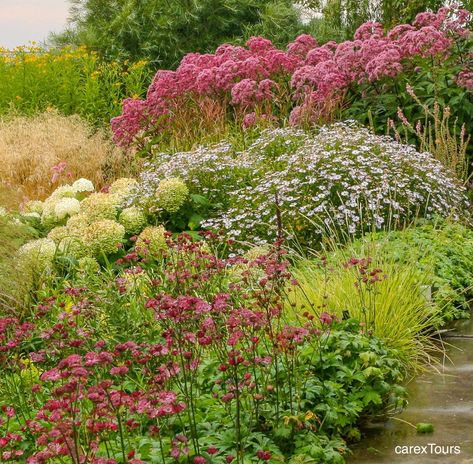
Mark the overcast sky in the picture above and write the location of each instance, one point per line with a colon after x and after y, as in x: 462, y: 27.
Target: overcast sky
x: 22, y: 21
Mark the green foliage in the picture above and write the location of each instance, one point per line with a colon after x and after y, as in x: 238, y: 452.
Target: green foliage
x: 163, y: 32
x: 13, y: 291
x: 424, y: 428
x: 73, y: 80
x: 442, y: 252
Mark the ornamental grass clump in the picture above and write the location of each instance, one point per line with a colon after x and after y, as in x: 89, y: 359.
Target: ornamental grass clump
x: 40, y: 152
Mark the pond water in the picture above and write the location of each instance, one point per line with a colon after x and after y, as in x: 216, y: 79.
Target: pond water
x: 444, y: 400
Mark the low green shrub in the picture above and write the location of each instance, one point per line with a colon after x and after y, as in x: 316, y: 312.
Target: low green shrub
x: 442, y: 252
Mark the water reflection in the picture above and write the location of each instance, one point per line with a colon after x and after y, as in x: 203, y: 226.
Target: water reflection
x: 445, y: 400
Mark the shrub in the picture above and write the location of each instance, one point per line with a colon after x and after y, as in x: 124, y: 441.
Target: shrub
x: 38, y: 153
x: 364, y: 78
x: 342, y: 179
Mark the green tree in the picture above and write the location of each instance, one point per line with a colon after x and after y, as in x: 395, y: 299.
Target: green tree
x: 343, y: 17
x: 162, y: 31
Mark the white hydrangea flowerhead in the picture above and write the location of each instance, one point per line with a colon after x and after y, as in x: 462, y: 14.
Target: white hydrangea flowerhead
x: 171, y: 194
x: 33, y: 206
x: 124, y: 184
x: 122, y: 189
x: 64, y: 191
x: 69, y: 241
x: 104, y: 236
x: 37, y: 255
x: 99, y: 206
x: 83, y: 186
x: 78, y: 223
x: 3, y: 212
x: 59, y: 233
x: 66, y: 207
x: 133, y: 219
x: 49, y: 217
x: 152, y: 241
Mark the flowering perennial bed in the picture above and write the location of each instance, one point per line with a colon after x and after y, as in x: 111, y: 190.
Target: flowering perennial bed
x: 188, y: 358
x: 261, y: 84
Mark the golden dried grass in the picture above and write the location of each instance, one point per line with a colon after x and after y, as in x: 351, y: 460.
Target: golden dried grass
x: 31, y: 146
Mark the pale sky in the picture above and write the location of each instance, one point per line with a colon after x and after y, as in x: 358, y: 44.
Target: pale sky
x: 23, y: 21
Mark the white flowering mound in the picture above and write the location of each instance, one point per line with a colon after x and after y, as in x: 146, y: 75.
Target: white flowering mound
x: 345, y: 178
x: 212, y: 172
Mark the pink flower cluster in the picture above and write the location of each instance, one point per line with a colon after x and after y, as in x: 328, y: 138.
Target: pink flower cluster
x: 261, y: 79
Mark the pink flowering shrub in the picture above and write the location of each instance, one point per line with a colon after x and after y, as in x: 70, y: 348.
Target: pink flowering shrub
x: 309, y: 83
x: 202, y: 365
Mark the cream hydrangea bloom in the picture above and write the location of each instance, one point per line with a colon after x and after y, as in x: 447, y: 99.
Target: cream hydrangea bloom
x: 104, y: 236
x: 123, y: 185
x: 49, y: 217
x: 83, y: 186
x: 37, y: 255
x: 33, y: 206
x: 99, y: 206
x: 59, y: 233
x: 88, y: 265
x: 78, y: 223
x: 152, y: 241
x: 64, y: 191
x: 133, y: 219
x: 121, y: 189
x: 171, y: 194
x: 69, y: 241
x: 66, y: 207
